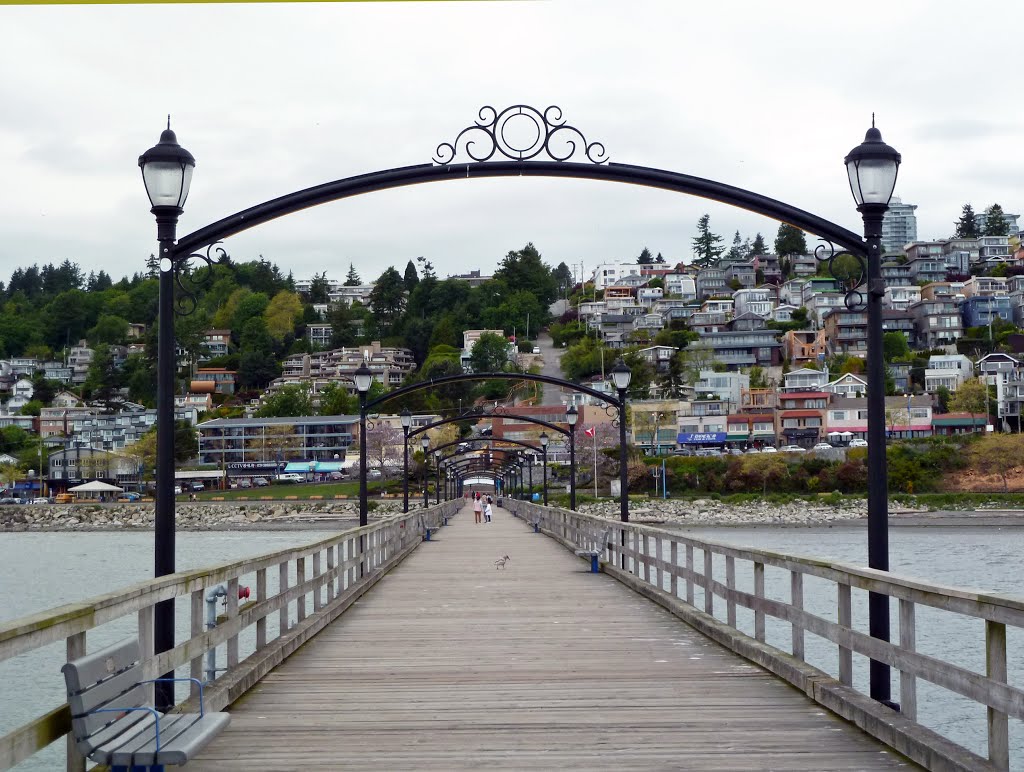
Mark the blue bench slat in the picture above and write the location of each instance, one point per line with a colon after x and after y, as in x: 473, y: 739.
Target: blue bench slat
x: 193, y: 737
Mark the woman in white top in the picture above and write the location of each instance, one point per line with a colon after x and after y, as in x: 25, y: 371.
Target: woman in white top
x: 487, y: 510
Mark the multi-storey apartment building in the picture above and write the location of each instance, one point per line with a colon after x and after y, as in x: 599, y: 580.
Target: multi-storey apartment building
x: 947, y: 371
x: 846, y: 332
x: 899, y: 225
x: 900, y: 298
x: 937, y: 322
x: 760, y: 301
x: 225, y: 441
x: 980, y: 310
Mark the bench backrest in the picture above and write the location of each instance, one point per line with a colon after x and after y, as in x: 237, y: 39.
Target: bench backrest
x: 107, y: 679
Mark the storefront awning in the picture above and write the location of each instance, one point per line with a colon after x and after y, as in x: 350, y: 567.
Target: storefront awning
x: 702, y: 438
x: 301, y: 467
x: 328, y: 466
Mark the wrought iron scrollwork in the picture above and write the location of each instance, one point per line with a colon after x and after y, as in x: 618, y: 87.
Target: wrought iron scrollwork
x: 612, y: 412
x: 191, y: 274
x: 520, y: 132
x: 849, y: 270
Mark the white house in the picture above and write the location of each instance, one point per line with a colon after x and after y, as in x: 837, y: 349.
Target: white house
x: 948, y: 370
x: 848, y: 385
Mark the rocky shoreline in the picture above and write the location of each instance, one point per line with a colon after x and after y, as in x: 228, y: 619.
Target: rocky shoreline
x: 196, y: 516
x: 706, y: 512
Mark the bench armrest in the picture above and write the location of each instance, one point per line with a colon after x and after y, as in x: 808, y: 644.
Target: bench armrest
x: 196, y: 681
x: 153, y: 711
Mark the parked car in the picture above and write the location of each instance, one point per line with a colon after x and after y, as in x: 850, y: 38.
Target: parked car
x: 336, y: 475
x: 63, y: 498
x: 177, y: 490
x: 291, y: 477
x: 130, y: 496
x: 373, y: 474
x: 196, y: 486
x: 822, y: 446
x: 244, y: 484
x: 858, y: 443
x: 735, y: 452
x: 769, y: 449
x: 792, y: 449
x: 752, y: 450
x: 260, y: 482
x: 41, y: 500
x: 536, y: 349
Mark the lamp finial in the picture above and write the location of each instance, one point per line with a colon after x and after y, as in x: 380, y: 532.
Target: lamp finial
x: 169, y: 120
x: 872, y: 119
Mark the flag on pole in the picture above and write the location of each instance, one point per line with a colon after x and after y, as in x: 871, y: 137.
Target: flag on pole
x: 591, y: 431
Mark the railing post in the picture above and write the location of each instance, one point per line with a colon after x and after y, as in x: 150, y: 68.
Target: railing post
x: 282, y: 587
x: 796, y: 600
x: 730, y: 582
x: 232, y: 612
x: 908, y: 642
x: 845, y: 600
x: 759, y: 594
x: 300, y: 578
x: 318, y: 601
x: 689, y: 574
x: 261, y: 595
x: 75, y: 648
x: 674, y: 560
x: 995, y: 668
x: 197, y: 612
x: 330, y: 571
x: 709, y: 595
x: 147, y: 646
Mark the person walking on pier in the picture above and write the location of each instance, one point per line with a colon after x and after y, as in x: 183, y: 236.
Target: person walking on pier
x: 478, y: 508
x: 487, y: 510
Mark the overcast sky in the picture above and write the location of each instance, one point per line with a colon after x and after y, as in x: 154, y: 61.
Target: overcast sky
x: 274, y: 98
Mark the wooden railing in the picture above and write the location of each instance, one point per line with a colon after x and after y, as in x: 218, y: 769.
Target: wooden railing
x: 683, y: 574
x: 305, y: 588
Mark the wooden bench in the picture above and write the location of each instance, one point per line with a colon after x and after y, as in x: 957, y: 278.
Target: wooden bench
x: 113, y: 722
x: 595, y: 552
x: 535, y: 522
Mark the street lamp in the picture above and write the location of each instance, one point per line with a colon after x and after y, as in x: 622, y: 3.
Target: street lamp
x: 363, y: 378
x: 571, y: 417
x: 167, y: 174
x: 437, y: 483
x: 621, y: 375
x: 425, y: 444
x: 544, y: 453
x: 406, y: 423
x: 872, y: 167
x: 530, y: 458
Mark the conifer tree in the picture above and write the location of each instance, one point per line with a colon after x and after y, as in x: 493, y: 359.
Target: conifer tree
x: 707, y: 246
x: 352, y: 279
x: 967, y: 226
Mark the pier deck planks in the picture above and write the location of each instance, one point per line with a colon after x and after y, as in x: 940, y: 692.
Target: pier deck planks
x: 450, y: 664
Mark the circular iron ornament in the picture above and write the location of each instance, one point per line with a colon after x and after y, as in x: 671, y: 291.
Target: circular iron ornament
x: 192, y: 273
x: 849, y: 270
x: 612, y: 412
x: 520, y: 132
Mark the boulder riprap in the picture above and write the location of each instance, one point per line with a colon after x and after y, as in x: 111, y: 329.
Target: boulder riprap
x: 191, y: 516
x: 701, y: 512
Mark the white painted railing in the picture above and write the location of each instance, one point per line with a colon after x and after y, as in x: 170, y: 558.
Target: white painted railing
x: 684, y: 574
x: 305, y: 588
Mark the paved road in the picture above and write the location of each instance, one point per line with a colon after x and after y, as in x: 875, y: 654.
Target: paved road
x: 550, y: 395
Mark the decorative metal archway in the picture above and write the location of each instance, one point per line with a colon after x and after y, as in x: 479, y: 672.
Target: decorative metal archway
x: 470, y: 155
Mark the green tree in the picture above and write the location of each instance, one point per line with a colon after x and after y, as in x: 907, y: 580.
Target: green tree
x: 411, y: 278
x: 445, y: 333
x: 758, y: 247
x: 970, y: 397
x: 335, y: 400
x: 352, y: 278
x: 343, y: 331
x: 995, y: 225
x: 32, y: 407
x: 251, y: 305
x: 707, y: 246
x: 388, y: 299
x: 659, y: 258
x: 43, y: 389
x: 563, y: 277
x: 109, y: 329
x: 736, y: 253
x: 292, y: 399
x: 790, y: 241
x: 895, y: 347
x: 319, y: 288
x: 967, y: 226
x: 489, y: 354
x: 257, y: 365
x: 525, y: 271
x: 645, y: 258
x: 280, y: 315
x: 103, y: 381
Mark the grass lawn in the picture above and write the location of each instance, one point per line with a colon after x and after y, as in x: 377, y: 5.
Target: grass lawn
x: 300, y: 491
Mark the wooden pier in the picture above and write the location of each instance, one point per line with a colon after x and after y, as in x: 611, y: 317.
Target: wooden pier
x: 451, y: 663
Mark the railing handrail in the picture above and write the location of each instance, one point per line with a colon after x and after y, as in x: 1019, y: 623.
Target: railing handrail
x: 164, y: 587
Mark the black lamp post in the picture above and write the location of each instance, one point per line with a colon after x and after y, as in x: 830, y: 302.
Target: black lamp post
x: 406, y: 423
x: 530, y: 458
x: 571, y: 417
x: 425, y: 444
x: 872, y: 167
x: 167, y: 174
x: 544, y: 453
x: 437, y: 482
x: 621, y: 375
x: 363, y: 378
